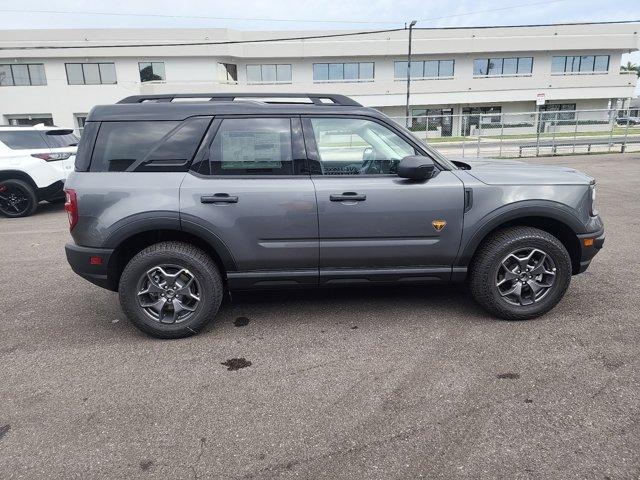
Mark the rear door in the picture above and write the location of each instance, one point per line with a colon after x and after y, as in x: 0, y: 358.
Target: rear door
x: 374, y: 225
x: 249, y: 188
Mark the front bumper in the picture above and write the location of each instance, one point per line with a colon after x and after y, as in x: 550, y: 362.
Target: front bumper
x: 590, y: 245
x: 84, y: 261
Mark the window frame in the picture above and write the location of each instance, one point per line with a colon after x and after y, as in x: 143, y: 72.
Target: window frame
x: 28, y: 66
x: 84, y: 80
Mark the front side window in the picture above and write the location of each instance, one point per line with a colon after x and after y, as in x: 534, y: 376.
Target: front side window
x: 252, y: 146
x: 91, y: 73
x: 22, y: 74
x: 269, y: 73
x: 494, y: 67
x: 354, y: 146
x: 152, y: 71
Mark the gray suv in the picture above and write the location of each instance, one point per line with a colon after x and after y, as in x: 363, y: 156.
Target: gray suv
x: 176, y: 199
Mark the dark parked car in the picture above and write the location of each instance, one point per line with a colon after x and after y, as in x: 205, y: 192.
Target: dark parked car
x: 173, y: 203
x: 628, y: 120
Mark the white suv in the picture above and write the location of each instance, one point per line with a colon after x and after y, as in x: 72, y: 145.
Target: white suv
x: 34, y: 163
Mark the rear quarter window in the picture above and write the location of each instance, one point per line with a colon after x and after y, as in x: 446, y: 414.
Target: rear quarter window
x: 158, y: 146
x: 23, y: 140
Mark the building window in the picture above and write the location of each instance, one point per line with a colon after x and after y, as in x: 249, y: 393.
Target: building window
x: 499, y: 67
x: 81, y: 119
x: 269, y: 73
x: 151, y: 71
x: 90, y: 73
x: 35, y: 119
x: 424, y: 69
x: 22, y: 74
x: 580, y: 64
x: 568, y: 111
x: 227, y: 72
x: 343, y: 72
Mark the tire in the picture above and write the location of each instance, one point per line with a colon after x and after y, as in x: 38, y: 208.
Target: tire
x: 187, y: 266
x: 488, y: 269
x: 17, y: 198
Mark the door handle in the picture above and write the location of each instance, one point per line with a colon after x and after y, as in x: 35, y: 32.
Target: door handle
x: 348, y: 197
x: 219, y: 198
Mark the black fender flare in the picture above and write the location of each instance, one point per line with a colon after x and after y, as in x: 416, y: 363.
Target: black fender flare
x: 513, y: 211
x: 167, y: 220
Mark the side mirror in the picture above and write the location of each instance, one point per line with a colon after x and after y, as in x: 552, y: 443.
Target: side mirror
x: 416, y: 167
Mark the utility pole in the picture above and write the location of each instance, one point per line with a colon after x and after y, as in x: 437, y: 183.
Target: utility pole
x: 411, y: 25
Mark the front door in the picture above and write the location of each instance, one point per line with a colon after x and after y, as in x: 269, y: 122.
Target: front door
x: 374, y: 225
x: 251, y: 193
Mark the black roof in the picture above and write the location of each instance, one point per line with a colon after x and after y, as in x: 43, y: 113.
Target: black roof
x: 165, y: 107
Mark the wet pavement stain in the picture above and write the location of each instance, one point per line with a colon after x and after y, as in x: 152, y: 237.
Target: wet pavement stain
x: 236, y: 363
x: 509, y: 375
x: 4, y: 429
x: 146, y: 465
x: 241, y: 322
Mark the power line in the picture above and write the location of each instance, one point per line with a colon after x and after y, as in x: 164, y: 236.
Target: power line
x: 202, y: 17
x: 181, y: 44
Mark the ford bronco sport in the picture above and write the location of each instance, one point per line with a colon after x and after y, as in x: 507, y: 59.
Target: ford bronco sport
x: 177, y: 198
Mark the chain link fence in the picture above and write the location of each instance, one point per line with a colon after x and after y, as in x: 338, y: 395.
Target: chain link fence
x: 527, y: 134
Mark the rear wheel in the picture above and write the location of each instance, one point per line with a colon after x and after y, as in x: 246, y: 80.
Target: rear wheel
x: 17, y: 198
x: 520, y: 273
x: 171, y: 290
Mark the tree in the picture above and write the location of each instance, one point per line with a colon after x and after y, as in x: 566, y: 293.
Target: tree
x: 631, y: 67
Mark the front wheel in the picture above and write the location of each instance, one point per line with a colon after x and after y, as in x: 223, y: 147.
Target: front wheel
x: 17, y: 198
x: 520, y: 273
x: 171, y: 290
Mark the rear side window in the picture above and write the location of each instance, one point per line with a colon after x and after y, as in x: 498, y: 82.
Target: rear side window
x: 252, y: 146
x: 60, y: 138
x: 23, y: 140
x: 157, y: 146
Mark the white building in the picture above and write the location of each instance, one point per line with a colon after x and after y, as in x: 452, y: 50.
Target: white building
x: 454, y: 70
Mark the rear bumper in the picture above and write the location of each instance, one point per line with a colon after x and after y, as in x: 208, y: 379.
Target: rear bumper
x: 587, y: 252
x: 80, y: 259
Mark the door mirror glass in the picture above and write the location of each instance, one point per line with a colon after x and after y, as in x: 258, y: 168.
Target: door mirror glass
x: 416, y: 167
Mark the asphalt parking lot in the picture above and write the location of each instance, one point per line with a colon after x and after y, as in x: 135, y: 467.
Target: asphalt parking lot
x: 384, y: 383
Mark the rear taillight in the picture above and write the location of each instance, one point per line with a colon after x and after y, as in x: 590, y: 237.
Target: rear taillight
x: 71, y: 207
x: 52, y: 157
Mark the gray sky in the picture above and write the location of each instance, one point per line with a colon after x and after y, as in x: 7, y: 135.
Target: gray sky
x: 301, y: 15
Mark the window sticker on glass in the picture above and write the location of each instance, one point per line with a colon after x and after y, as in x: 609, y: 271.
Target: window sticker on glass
x: 256, y: 150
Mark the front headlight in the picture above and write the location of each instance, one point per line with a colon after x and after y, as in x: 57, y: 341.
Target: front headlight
x: 593, y: 212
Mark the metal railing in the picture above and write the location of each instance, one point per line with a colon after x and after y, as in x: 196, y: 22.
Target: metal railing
x: 525, y: 134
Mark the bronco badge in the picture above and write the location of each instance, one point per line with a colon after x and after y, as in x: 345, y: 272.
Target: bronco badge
x: 439, y: 224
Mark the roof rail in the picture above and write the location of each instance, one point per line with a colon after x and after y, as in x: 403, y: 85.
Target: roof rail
x: 317, y: 99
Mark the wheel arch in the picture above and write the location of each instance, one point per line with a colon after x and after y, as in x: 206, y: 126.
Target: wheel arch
x: 18, y: 175
x: 138, y: 240
x: 559, y: 222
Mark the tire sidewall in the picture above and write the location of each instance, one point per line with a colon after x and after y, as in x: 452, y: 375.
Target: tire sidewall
x: 206, y: 309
